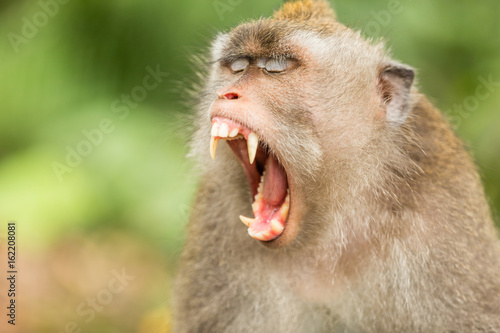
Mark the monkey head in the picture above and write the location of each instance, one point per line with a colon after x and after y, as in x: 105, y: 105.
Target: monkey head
x: 300, y: 99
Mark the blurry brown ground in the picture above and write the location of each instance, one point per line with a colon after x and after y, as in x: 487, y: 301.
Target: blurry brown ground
x: 53, y: 284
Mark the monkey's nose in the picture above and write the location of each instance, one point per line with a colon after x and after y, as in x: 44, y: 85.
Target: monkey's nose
x: 229, y: 95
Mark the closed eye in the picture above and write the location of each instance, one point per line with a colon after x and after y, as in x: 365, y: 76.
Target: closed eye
x: 239, y: 65
x: 276, y: 65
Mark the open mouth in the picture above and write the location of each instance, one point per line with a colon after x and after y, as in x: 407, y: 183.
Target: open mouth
x: 266, y: 176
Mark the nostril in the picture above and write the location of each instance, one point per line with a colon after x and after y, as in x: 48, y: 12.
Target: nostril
x: 231, y: 96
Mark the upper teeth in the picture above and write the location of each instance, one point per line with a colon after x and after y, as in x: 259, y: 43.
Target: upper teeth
x: 213, y: 146
x: 252, y: 143
x: 234, y: 132
x: 221, y: 131
x: 215, y: 129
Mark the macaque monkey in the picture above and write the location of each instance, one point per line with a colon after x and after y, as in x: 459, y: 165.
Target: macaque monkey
x: 361, y: 209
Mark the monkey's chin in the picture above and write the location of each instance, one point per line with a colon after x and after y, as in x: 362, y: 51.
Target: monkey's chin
x: 266, y: 176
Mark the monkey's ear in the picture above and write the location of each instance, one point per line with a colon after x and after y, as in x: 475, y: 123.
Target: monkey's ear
x: 395, y: 84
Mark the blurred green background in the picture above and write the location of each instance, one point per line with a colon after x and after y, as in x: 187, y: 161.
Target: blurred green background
x: 66, y: 69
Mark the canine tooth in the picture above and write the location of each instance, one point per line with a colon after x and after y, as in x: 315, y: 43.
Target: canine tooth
x: 234, y: 132
x: 223, y: 130
x: 252, y: 143
x: 213, y: 146
x: 246, y: 220
x: 215, y: 129
x: 285, y: 208
x: 276, y: 227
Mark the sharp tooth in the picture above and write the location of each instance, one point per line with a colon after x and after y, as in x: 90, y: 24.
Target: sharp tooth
x: 276, y: 227
x: 246, y: 220
x: 252, y: 143
x: 223, y: 130
x: 234, y: 132
x: 285, y: 207
x: 215, y: 129
x: 213, y: 146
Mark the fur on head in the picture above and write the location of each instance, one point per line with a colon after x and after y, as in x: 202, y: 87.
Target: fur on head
x: 308, y: 11
x: 336, y: 112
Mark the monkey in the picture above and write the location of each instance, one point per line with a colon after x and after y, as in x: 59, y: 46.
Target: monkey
x: 362, y: 210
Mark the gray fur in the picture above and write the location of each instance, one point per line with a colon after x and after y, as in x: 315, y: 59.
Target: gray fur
x: 396, y: 233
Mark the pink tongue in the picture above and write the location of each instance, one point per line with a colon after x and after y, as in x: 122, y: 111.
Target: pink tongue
x: 275, y: 182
